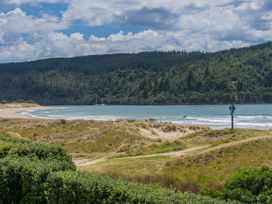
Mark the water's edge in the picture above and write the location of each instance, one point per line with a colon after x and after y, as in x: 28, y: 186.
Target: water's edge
x: 214, y: 116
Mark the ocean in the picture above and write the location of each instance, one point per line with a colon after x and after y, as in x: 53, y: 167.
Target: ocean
x: 214, y: 116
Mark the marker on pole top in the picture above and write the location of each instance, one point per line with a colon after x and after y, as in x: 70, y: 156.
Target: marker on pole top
x: 232, y: 109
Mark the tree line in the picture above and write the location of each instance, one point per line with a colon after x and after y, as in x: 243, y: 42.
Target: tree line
x: 238, y: 75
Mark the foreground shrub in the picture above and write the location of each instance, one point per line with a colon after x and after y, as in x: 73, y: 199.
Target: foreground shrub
x: 24, y: 167
x: 5, y: 148
x: 41, y: 151
x: 23, y: 148
x: 22, y: 180
x: 76, y: 187
x: 248, y: 185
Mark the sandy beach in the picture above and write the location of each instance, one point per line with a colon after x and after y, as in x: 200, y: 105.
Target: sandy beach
x: 13, y: 110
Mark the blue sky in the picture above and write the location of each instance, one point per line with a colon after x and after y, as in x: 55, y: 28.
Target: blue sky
x: 37, y: 29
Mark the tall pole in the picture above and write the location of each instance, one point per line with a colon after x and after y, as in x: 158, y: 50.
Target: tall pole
x: 232, y: 109
x: 232, y: 122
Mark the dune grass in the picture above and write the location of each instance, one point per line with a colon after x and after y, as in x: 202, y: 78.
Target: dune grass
x: 97, y: 138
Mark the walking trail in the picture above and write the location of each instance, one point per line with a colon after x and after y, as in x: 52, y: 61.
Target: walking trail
x: 88, y: 162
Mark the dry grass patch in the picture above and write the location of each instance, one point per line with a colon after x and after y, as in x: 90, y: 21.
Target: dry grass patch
x: 92, y: 138
x: 166, y: 131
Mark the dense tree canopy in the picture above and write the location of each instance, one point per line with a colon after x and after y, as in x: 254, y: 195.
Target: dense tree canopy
x: 240, y: 75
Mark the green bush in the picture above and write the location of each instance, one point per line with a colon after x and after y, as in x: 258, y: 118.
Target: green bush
x: 5, y: 148
x: 76, y: 187
x: 23, y: 148
x: 24, y: 166
x: 248, y: 185
x: 22, y: 179
x: 41, y: 151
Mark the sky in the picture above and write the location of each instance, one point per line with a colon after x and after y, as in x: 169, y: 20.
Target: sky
x: 38, y: 29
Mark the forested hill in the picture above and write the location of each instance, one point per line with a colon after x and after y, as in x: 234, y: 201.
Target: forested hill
x: 239, y: 75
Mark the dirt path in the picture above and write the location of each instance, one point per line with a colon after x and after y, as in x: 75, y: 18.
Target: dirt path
x: 170, y: 154
x: 230, y: 144
x: 89, y: 162
x: 205, y: 149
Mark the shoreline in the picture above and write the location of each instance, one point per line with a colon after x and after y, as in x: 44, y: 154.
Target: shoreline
x: 13, y: 111
x: 25, y: 110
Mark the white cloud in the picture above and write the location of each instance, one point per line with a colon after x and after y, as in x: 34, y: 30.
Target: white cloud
x: 207, y: 25
x: 61, y: 45
x: 2, y: 35
x: 50, y: 45
x: 211, y: 24
x: 17, y: 21
x: 18, y: 2
x: 105, y: 11
x: 20, y: 50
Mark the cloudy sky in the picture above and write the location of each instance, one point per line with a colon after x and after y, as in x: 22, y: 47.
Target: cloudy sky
x: 36, y: 29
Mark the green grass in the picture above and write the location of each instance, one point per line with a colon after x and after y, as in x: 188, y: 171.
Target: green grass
x: 213, y: 168
x: 216, y: 137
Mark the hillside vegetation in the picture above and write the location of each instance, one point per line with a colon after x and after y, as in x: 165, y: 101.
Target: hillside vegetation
x: 239, y: 75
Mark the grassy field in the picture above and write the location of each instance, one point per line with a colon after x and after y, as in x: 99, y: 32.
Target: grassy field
x: 131, y: 150
x: 207, y: 168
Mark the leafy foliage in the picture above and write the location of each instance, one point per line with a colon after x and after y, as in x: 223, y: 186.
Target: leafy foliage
x: 239, y: 75
x: 24, y: 148
x: 22, y: 180
x: 72, y: 187
x: 24, y: 167
x: 248, y: 185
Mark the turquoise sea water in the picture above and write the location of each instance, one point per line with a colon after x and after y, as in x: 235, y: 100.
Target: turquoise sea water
x: 215, y: 116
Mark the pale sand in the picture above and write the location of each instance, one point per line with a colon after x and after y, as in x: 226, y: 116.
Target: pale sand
x: 13, y: 110
x: 155, y: 133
